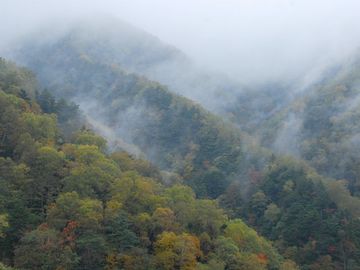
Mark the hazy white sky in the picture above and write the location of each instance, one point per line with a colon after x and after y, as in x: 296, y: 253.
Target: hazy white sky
x: 248, y: 39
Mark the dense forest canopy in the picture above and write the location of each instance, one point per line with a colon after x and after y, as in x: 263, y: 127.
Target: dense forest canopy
x: 71, y: 205
x: 109, y: 159
x: 320, y: 126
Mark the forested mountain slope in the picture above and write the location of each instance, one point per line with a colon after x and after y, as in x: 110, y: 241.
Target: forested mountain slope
x: 67, y: 204
x: 312, y: 220
x: 113, y: 42
x: 322, y: 126
x: 172, y: 131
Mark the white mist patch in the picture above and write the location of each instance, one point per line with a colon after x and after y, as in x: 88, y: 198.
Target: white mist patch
x: 124, y: 128
x: 117, y: 135
x: 354, y: 103
x: 355, y: 143
x: 254, y: 41
x: 287, y: 138
x: 114, y: 141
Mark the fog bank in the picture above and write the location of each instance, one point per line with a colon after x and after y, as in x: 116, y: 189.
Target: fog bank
x: 251, y: 41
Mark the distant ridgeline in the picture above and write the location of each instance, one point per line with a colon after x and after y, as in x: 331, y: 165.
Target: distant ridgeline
x: 311, y: 220
x: 320, y: 125
x: 172, y: 131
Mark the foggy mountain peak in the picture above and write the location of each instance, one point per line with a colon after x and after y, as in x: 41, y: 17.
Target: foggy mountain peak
x: 111, y: 41
x: 105, y: 40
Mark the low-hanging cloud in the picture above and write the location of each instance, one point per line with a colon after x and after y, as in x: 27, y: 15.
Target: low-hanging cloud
x: 252, y: 41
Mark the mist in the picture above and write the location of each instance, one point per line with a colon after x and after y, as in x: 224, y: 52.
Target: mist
x: 251, y: 41
x: 213, y: 50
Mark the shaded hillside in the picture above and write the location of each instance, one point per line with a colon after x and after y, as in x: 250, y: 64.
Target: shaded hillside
x: 312, y: 220
x: 69, y: 205
x: 113, y: 42
x: 322, y: 126
x: 172, y: 131
x: 281, y: 199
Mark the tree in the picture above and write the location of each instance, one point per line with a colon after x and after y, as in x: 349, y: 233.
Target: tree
x: 208, y: 217
x: 118, y: 232
x: 46, y: 101
x: 323, y: 263
x: 3, y: 267
x: 181, y: 199
x: 91, y: 248
x: 47, y: 170
x: 248, y: 261
x: 177, y: 251
x: 94, y: 174
x: 226, y: 250
x: 3, y: 224
x: 258, y: 203
x: 248, y: 241
x: 272, y: 212
x: 289, y: 265
x: 88, y: 213
x: 41, y: 127
x: 137, y: 259
x: 87, y: 137
x: 11, y: 124
x: 163, y: 219
x: 43, y: 249
x: 137, y: 194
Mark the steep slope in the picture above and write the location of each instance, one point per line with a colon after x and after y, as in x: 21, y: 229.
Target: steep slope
x: 69, y: 205
x: 113, y: 42
x: 330, y: 129
x: 313, y: 221
x: 172, y: 131
x: 322, y: 127
x: 208, y: 154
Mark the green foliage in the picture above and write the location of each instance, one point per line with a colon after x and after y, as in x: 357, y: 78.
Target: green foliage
x: 47, y: 170
x: 43, y: 248
x: 298, y: 208
x: 176, y: 251
x: 111, y: 211
x: 3, y: 224
x: 312, y: 220
x: 173, y: 132
x: 72, y: 206
x: 322, y: 124
x: 4, y: 267
x: 128, y: 163
x: 207, y: 217
x: 89, y: 138
x: 17, y: 81
x: 248, y: 241
x: 68, y: 115
x: 119, y: 233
